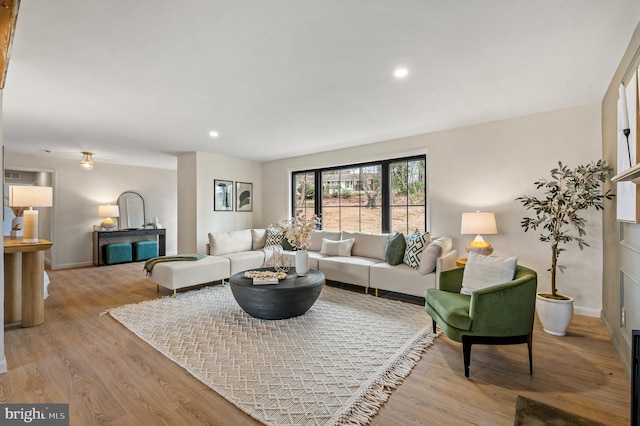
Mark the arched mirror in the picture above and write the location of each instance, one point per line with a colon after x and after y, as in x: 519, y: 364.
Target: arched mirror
x: 131, y: 206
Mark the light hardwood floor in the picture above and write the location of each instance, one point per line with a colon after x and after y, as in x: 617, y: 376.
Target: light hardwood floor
x: 109, y: 376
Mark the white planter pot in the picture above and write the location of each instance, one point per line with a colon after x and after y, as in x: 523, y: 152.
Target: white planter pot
x: 555, y: 315
x: 302, y: 263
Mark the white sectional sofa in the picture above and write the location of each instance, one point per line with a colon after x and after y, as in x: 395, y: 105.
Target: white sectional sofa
x: 365, y: 267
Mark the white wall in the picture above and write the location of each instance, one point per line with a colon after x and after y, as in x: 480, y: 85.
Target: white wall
x: 485, y: 167
x: 78, y: 193
x: 196, y: 173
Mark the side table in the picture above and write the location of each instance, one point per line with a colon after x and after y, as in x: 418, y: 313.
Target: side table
x: 24, y: 300
x: 461, y: 262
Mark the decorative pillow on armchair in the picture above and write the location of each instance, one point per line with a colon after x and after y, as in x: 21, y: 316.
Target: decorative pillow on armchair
x: 416, y: 242
x: 485, y: 271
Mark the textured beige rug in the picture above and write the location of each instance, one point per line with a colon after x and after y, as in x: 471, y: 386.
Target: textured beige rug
x: 337, y: 364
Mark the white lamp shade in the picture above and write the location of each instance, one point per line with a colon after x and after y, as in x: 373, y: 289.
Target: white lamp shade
x: 478, y: 223
x: 108, y: 211
x: 30, y: 196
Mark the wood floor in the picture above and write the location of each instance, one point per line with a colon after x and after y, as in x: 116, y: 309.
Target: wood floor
x: 109, y: 376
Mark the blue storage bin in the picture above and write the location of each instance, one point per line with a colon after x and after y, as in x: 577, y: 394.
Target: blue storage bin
x: 143, y: 250
x: 117, y: 253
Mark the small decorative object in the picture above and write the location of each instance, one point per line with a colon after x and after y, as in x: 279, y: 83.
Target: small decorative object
x: 265, y: 277
x: 568, y: 193
x: 222, y: 195
x: 298, y: 231
x: 281, y: 263
x: 479, y: 223
x: 244, y: 194
x: 302, y: 262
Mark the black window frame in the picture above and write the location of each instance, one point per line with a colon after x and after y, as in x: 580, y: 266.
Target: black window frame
x: 386, y: 196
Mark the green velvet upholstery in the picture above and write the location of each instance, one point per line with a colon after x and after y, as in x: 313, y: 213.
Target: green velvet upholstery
x: 500, y: 314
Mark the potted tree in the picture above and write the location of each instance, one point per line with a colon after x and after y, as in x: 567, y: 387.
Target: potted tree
x: 567, y: 194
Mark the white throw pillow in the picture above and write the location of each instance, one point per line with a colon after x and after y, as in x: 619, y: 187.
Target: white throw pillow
x: 485, y: 271
x: 429, y: 258
x: 337, y: 248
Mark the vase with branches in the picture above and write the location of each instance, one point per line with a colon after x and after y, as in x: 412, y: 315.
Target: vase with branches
x: 566, y: 196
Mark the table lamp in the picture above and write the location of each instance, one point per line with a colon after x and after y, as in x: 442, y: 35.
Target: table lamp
x: 30, y: 196
x: 479, y: 223
x: 108, y: 212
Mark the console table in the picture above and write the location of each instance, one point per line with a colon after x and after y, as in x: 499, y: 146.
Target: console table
x: 101, y: 238
x: 24, y: 300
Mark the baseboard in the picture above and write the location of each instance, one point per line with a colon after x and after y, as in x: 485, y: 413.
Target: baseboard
x: 72, y: 265
x: 587, y: 312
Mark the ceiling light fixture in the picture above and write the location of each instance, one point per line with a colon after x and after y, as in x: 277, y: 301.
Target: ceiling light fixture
x: 400, y: 73
x: 86, y: 162
x: 214, y: 134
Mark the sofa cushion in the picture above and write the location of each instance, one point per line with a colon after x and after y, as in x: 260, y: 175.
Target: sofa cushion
x: 350, y: 270
x: 367, y: 244
x: 452, y: 307
x: 416, y: 242
x: 429, y: 257
x: 400, y: 278
x: 258, y: 238
x: 394, y: 249
x: 314, y: 256
x: 230, y: 242
x: 274, y: 237
x: 485, y: 271
x: 337, y: 248
x: 317, y: 236
x: 245, y: 260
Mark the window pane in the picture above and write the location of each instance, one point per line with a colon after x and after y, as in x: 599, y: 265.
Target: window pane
x: 398, y: 179
x: 330, y: 218
x: 305, y: 191
x: 350, y: 218
x: 349, y: 195
x: 371, y: 219
x: 416, y: 218
x: 415, y: 182
x: 399, y: 219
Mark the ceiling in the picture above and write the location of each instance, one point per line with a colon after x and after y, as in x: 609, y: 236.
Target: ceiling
x: 143, y: 82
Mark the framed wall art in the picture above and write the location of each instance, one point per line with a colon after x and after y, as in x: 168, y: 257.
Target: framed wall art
x: 244, y: 197
x: 222, y: 195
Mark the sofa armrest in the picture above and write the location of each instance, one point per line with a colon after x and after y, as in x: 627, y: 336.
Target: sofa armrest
x: 444, y: 263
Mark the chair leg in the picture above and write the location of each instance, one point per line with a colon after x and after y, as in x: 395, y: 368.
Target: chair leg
x: 433, y: 325
x: 466, y: 351
x: 530, y: 344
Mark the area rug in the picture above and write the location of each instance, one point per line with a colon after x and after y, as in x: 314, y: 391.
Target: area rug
x: 530, y: 412
x: 337, y: 364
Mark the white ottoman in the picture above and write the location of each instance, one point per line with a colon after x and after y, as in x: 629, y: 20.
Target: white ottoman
x: 186, y: 273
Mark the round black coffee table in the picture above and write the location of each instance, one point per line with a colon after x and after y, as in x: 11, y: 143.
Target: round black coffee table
x: 289, y: 298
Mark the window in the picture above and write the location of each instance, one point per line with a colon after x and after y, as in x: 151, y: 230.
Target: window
x: 384, y: 196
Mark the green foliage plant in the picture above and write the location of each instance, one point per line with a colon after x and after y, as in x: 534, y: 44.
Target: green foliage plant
x: 566, y: 195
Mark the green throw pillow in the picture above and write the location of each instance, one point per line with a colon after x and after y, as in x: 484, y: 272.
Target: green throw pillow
x: 286, y: 245
x: 394, y: 251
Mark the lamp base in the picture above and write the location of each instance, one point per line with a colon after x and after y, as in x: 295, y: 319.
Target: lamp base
x: 108, y: 224
x: 480, y: 246
x: 30, y: 226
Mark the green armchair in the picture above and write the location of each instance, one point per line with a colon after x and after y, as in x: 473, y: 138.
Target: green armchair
x: 498, y: 315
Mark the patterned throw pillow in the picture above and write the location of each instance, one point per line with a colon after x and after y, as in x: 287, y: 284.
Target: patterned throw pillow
x: 416, y: 242
x: 274, y: 237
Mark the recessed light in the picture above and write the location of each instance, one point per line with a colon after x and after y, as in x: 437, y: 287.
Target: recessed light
x: 400, y: 73
x: 214, y: 134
